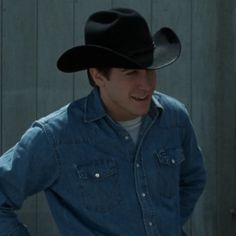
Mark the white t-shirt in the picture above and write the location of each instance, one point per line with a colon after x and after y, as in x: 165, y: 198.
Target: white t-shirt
x: 132, y: 127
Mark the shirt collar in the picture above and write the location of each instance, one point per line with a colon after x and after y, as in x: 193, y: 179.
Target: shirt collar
x: 93, y: 107
x: 156, y: 107
x: 95, y: 110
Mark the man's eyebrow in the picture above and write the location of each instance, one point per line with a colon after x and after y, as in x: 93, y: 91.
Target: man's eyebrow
x: 126, y: 69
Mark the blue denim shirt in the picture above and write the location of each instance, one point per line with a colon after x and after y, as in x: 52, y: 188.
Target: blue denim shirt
x: 97, y: 181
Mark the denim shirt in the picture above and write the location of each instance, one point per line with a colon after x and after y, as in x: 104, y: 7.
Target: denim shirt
x: 96, y: 180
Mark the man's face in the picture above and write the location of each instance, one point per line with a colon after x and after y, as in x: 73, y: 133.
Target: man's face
x: 127, y: 93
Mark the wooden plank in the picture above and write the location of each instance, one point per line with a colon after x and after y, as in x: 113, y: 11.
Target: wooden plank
x: 83, y: 9
x: 175, y: 80
x: 143, y: 7
x: 55, y: 35
x: 18, y: 80
x: 226, y: 118
x: 1, y: 11
x: 18, y: 72
x: 204, y: 101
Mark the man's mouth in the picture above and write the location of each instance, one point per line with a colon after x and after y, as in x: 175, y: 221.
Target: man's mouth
x: 140, y: 98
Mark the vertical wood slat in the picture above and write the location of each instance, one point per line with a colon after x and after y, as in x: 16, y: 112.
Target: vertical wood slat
x: 19, y: 81
x: 83, y: 9
x: 175, y: 80
x: 143, y: 7
x: 55, y: 89
x: 226, y: 113
x: 55, y: 33
x: 204, y: 78
x: 1, y: 136
x: 18, y: 71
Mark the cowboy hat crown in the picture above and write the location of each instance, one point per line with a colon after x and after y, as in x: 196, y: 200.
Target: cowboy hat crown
x: 120, y: 37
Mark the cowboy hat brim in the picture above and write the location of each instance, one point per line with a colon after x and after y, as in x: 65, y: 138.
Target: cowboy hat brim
x: 167, y: 50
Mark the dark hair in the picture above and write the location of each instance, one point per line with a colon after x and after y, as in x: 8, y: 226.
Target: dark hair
x: 105, y: 71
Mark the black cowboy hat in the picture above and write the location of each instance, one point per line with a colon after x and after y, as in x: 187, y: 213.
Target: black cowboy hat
x: 121, y: 38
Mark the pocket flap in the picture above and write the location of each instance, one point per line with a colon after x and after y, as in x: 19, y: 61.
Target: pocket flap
x: 97, y: 170
x: 170, y: 157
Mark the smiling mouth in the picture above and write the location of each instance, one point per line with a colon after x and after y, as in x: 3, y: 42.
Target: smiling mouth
x: 140, y: 98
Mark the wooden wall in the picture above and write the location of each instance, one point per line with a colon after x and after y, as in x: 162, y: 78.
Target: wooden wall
x: 34, y: 33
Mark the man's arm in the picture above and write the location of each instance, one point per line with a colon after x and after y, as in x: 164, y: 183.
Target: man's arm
x: 9, y: 224
x: 193, y: 173
x: 27, y: 168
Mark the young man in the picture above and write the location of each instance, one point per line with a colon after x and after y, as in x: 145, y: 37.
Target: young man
x: 122, y: 161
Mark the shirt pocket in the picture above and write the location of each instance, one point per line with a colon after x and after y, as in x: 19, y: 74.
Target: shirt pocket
x: 168, y: 162
x: 99, y: 185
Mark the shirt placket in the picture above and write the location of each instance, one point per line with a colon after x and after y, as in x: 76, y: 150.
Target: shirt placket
x: 144, y: 198
x: 142, y: 185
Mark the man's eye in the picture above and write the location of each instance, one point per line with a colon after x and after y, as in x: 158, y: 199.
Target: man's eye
x: 131, y: 72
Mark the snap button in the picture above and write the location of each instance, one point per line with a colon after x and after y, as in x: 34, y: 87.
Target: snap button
x: 97, y: 175
x: 150, y: 223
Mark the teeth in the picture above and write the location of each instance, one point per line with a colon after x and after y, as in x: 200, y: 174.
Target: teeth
x: 139, y: 98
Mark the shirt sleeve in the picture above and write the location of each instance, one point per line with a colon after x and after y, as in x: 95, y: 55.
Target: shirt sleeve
x: 193, y: 173
x: 27, y: 168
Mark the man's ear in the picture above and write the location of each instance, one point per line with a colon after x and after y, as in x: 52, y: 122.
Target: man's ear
x: 97, y: 76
